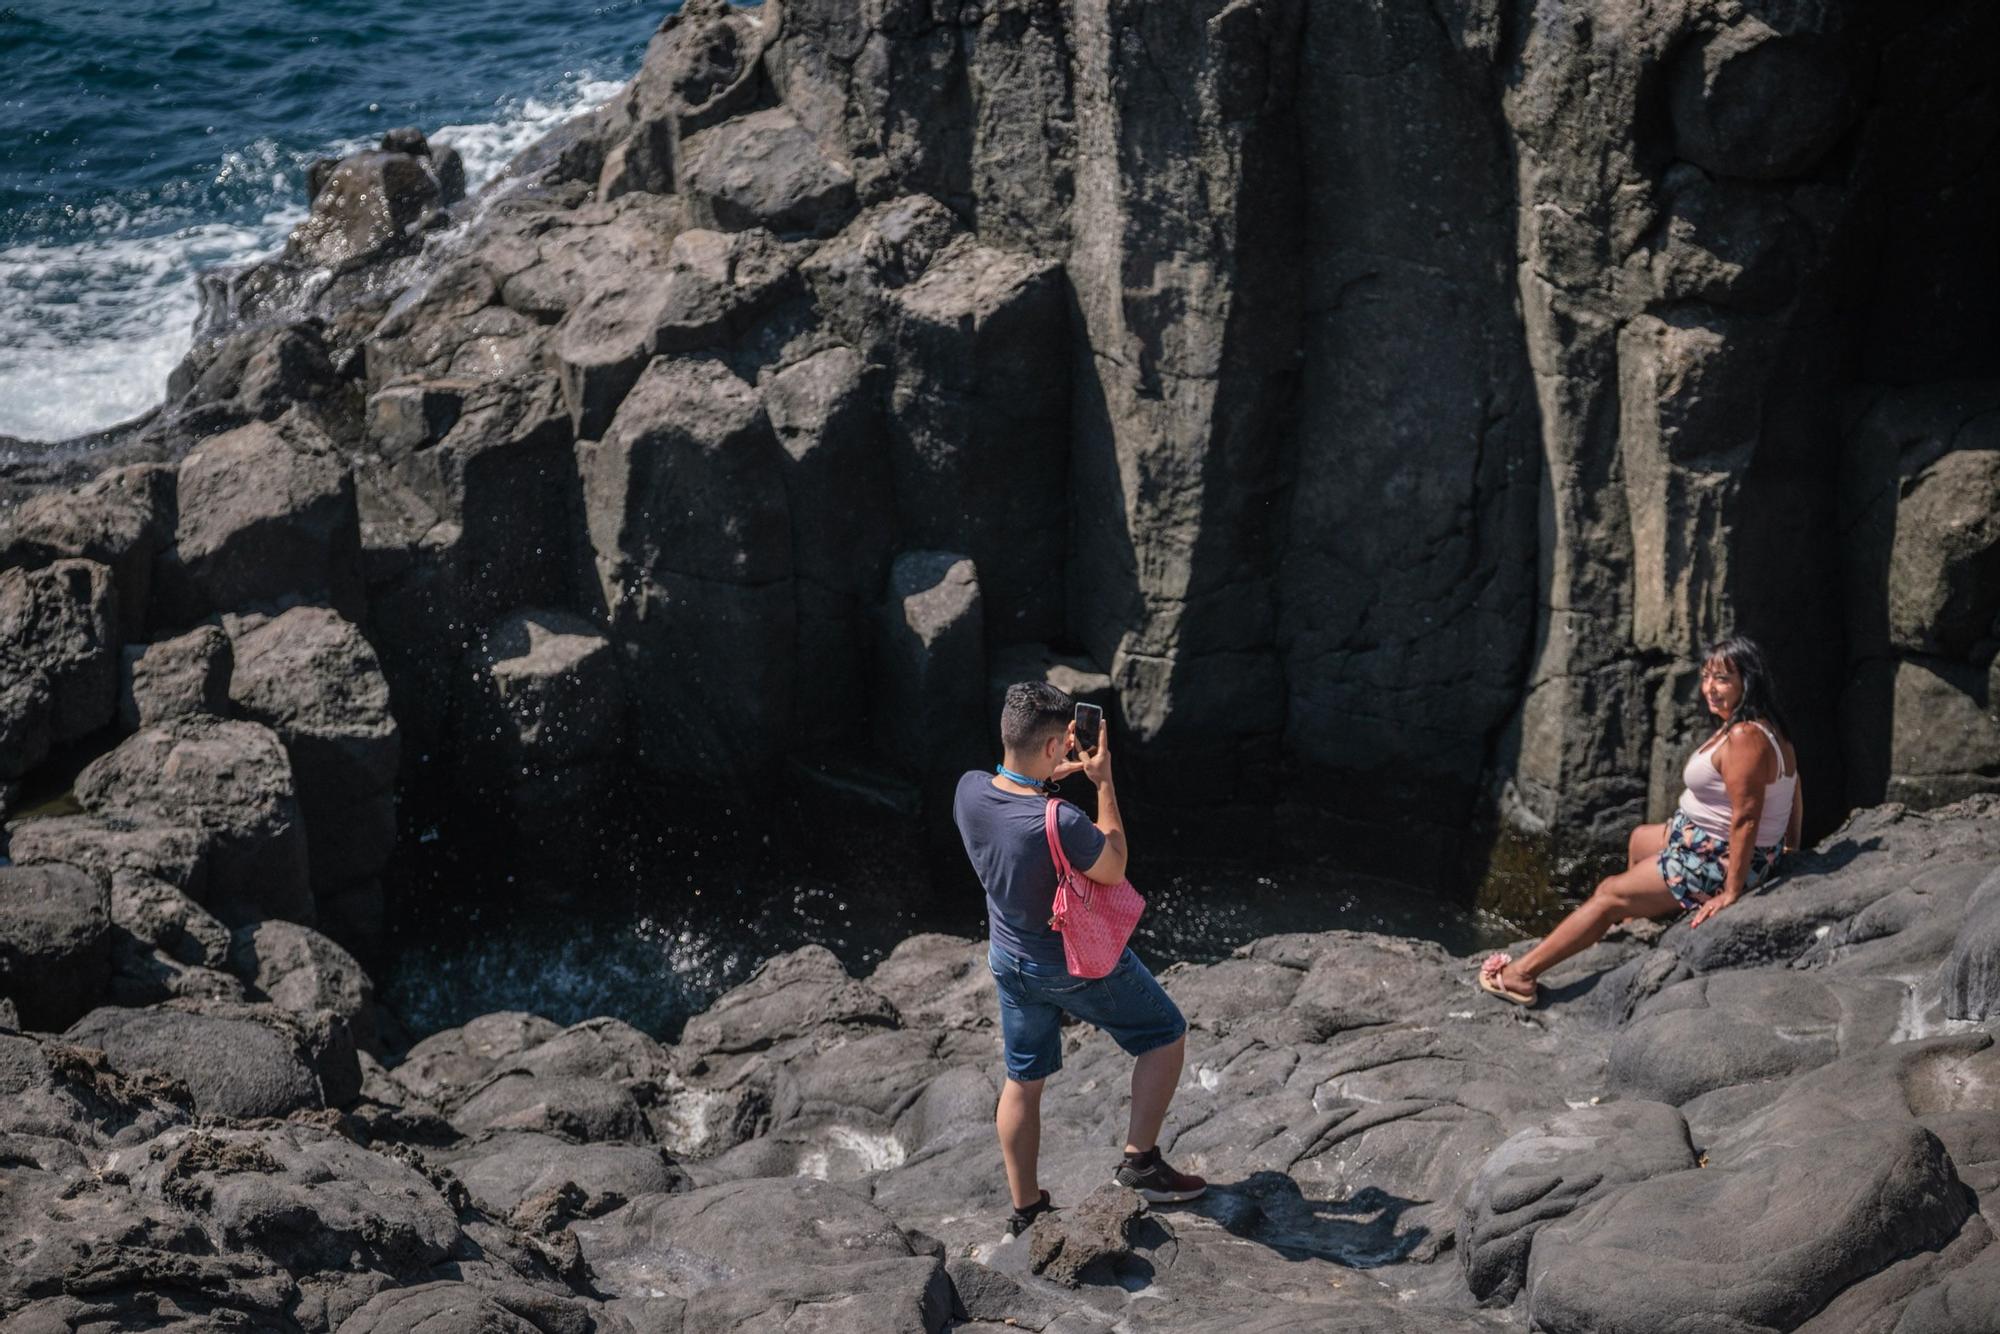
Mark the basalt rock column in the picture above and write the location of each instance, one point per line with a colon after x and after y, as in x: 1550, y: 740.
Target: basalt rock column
x: 1184, y: 270
x: 1684, y: 190
x: 1407, y: 587
x: 703, y: 613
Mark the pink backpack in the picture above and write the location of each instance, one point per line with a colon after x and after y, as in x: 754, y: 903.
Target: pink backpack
x: 1095, y: 920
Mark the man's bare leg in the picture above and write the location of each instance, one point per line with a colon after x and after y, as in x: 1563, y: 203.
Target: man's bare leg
x: 1019, y: 1122
x: 1155, y: 1075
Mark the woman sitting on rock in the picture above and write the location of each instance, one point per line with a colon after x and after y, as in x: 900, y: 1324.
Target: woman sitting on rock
x: 1740, y: 810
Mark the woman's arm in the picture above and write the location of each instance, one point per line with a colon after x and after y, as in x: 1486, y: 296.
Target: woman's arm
x: 1742, y: 770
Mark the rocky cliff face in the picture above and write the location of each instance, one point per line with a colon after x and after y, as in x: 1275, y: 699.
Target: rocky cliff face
x: 1397, y: 395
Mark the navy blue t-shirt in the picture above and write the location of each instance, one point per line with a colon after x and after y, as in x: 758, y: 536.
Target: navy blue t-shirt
x: 1004, y: 836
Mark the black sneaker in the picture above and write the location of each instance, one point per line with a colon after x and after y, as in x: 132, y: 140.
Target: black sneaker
x: 1023, y: 1219
x: 1155, y: 1180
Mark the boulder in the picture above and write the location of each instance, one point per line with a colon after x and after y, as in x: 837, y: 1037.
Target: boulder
x: 506, y: 1168
x: 1944, y: 567
x: 370, y: 206
x: 763, y: 170
x: 685, y: 506
x: 1088, y: 1238
x: 236, y: 1060
x: 254, y: 375
x: 600, y: 1048
x: 712, y: 288
x: 1552, y: 1170
x: 583, y: 1110
x: 231, y: 783
x: 1944, y: 736
x: 297, y: 969
x: 174, y: 853
x: 1752, y: 102
x: 788, y: 996
x: 122, y: 518
x: 447, y: 1067
x: 461, y: 530
x: 53, y: 1093
x: 313, y: 678
x: 302, y: 1197
x: 174, y: 677
x: 552, y: 259
x: 57, y: 650
x: 55, y: 945
x: 1829, y: 1212
x: 930, y: 688
x: 158, y: 916
x: 701, y: 68
x: 267, y: 518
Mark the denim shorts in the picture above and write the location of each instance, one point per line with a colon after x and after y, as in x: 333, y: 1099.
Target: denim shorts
x: 1695, y: 863
x: 1126, y: 1003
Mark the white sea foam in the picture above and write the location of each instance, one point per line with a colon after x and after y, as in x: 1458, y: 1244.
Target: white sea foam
x: 90, y: 329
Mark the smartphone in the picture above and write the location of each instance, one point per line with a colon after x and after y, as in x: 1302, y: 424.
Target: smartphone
x: 1089, y: 725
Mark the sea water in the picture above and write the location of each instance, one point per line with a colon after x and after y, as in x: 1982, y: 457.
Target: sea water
x: 140, y: 144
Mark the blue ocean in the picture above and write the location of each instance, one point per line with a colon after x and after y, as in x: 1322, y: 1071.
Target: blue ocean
x: 141, y: 143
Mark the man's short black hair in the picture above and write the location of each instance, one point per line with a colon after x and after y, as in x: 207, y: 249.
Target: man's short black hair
x: 1032, y: 711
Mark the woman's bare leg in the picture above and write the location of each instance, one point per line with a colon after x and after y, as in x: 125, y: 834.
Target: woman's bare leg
x: 1637, y: 892
x: 1644, y: 845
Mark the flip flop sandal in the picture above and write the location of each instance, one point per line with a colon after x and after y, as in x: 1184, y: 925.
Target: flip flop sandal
x: 1489, y: 981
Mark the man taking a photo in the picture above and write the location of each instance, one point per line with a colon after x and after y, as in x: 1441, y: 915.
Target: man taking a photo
x: 1001, y: 816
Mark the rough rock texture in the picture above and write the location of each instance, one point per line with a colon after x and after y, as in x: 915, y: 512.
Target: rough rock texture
x: 1390, y: 399
x: 312, y: 677
x: 541, y: 714
x: 59, y: 656
x: 54, y: 942
x: 707, y: 617
x: 186, y: 674
x: 1388, y: 1149
x: 266, y: 517
x: 230, y: 782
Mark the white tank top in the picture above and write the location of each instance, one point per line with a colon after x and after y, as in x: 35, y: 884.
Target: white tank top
x: 1706, y: 799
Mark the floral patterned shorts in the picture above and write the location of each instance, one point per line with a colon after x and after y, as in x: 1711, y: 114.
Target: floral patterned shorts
x: 1695, y: 863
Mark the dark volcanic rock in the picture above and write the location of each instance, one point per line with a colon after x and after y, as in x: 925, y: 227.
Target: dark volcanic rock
x: 1552, y: 1170
x: 446, y: 1067
x: 585, y: 1110
x: 505, y: 1168
x: 706, y: 613
x: 174, y: 853
x: 174, y: 677
x: 60, y: 658
x: 54, y: 942
x: 237, y: 1060
x: 540, y: 714
x: 1098, y: 1231
x: 763, y: 170
x: 122, y: 519
x: 370, y: 206
x: 313, y: 678
x: 266, y: 517
x: 229, y: 781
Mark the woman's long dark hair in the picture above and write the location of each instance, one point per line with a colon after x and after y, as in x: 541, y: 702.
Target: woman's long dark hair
x: 1760, y: 689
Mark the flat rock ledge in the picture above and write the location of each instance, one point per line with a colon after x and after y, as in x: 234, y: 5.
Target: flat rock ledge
x: 1787, y: 1120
